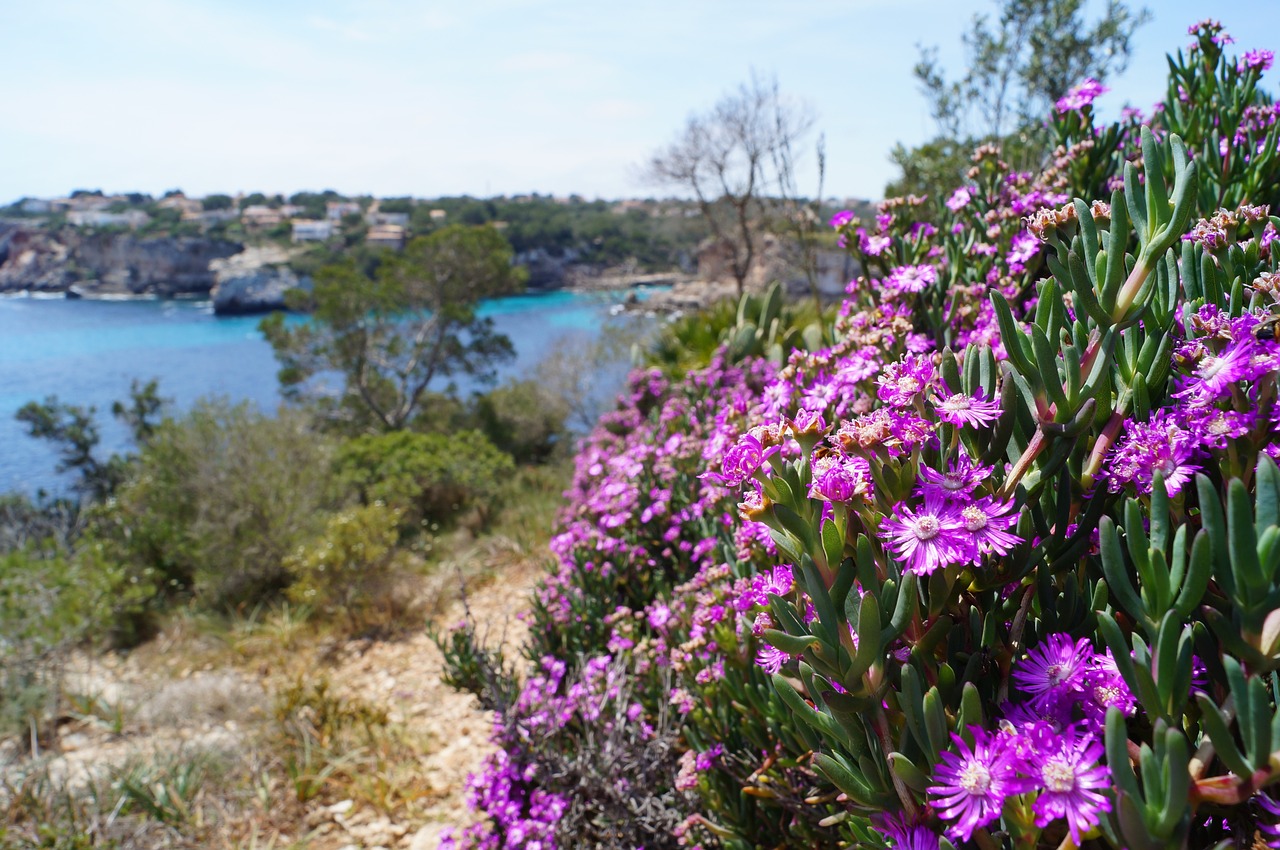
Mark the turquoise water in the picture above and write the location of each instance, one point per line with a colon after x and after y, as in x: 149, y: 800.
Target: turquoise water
x: 87, y: 352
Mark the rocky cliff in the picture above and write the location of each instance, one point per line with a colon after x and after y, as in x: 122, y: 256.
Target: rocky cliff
x: 99, y: 264
x: 254, y: 281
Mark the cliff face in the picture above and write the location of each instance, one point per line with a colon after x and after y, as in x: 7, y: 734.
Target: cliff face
x: 107, y: 263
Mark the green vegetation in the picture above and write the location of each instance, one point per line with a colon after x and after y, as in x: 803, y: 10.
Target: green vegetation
x: 1018, y: 66
x: 392, y: 334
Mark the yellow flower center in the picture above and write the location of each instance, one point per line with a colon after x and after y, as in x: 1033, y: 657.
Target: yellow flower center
x: 927, y: 527
x: 1058, y: 776
x: 975, y: 778
x: 974, y: 518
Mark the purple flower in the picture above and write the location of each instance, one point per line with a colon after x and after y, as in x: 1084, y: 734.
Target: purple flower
x: 960, y: 198
x: 770, y: 659
x: 840, y: 219
x: 901, y: 835
x: 912, y: 278
x: 1053, y: 672
x: 1080, y: 96
x: 963, y: 409
x: 1070, y: 779
x: 901, y: 382
x: 741, y: 461
x: 989, y: 521
x: 1104, y: 688
x: 972, y: 784
x: 1161, y: 444
x: 839, y: 479
x: 932, y: 538
x: 1270, y: 827
x: 960, y: 479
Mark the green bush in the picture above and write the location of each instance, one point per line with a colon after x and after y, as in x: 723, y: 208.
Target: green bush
x: 216, y: 501
x: 48, y: 603
x: 523, y: 419
x: 430, y: 477
x: 352, y: 567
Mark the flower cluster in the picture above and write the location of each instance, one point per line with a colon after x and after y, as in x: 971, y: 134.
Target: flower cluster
x: 1048, y: 748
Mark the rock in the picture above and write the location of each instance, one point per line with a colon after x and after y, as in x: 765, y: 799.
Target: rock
x: 341, y: 807
x: 259, y: 291
x: 101, y: 264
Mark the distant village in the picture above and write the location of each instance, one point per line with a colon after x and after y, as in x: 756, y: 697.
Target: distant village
x: 99, y: 244
x: 258, y: 216
x: 385, y: 229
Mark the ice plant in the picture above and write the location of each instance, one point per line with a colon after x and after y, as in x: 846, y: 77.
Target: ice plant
x: 928, y: 537
x: 986, y: 557
x: 973, y: 783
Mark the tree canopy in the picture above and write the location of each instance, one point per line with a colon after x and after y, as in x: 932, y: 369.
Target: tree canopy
x: 729, y: 158
x: 1019, y: 63
x: 391, y: 334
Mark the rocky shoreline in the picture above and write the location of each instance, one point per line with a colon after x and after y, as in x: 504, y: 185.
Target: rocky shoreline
x: 239, y: 279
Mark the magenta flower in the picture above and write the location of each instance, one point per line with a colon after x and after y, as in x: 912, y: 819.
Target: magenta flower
x: 960, y: 479
x: 960, y: 198
x: 901, y: 382
x: 989, y: 521
x: 1053, y: 673
x: 777, y: 581
x: 972, y: 784
x: 770, y: 659
x: 1216, y: 374
x: 926, y: 540
x: 873, y: 246
x: 1080, y: 96
x: 912, y: 278
x: 962, y: 409
x: 839, y: 479
x: 741, y: 461
x: 1070, y: 779
x: 840, y: 219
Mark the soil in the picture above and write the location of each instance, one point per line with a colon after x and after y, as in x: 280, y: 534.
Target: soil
x: 187, y: 692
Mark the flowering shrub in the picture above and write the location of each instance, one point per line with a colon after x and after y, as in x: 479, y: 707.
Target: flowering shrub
x: 1003, y: 569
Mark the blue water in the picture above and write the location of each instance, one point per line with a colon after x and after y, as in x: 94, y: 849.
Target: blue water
x: 88, y: 352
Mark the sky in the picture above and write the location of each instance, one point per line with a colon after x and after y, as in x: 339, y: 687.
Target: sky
x: 483, y: 97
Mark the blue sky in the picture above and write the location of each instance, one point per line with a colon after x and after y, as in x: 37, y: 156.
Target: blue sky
x: 484, y: 97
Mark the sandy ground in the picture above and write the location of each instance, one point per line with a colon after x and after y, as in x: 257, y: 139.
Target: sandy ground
x: 172, y: 701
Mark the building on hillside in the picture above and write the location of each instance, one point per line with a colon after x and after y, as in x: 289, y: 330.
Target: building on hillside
x: 260, y: 217
x: 212, y: 216
x: 306, y: 230
x: 386, y: 236
x: 399, y: 219
x: 102, y: 218
x: 336, y: 210
x: 438, y: 216
x: 186, y: 206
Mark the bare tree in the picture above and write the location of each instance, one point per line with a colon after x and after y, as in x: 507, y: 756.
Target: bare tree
x: 727, y: 158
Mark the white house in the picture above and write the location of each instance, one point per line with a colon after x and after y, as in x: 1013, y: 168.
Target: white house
x: 307, y: 230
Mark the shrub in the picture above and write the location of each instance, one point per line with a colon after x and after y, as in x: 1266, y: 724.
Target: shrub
x: 428, y: 477
x: 48, y: 604
x: 216, y: 501
x: 352, y: 568
x: 523, y: 419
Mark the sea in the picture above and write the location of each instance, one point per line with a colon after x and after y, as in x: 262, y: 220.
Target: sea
x: 87, y: 352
